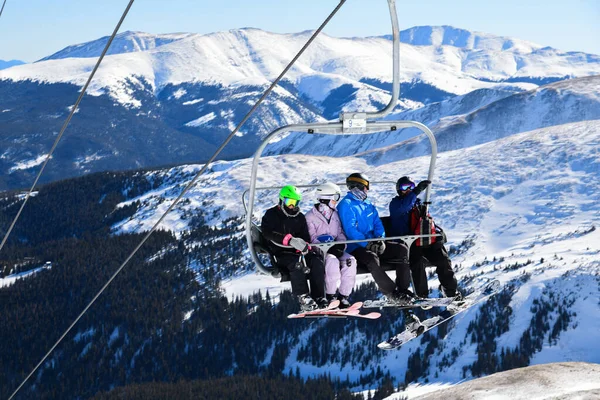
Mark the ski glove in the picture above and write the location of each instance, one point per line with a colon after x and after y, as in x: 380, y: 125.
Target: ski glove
x: 299, y: 244
x: 376, y: 247
x: 337, y: 250
x: 316, y: 251
x: 421, y: 186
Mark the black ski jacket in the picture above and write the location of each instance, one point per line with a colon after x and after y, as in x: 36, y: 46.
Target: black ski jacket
x: 275, y: 225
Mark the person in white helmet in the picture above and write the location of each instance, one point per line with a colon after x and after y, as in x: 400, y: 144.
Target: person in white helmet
x: 324, y: 226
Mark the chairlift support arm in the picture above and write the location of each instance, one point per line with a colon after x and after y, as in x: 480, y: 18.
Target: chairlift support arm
x: 331, y: 128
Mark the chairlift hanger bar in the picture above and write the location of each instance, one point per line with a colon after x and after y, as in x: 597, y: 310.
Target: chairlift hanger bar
x: 350, y: 123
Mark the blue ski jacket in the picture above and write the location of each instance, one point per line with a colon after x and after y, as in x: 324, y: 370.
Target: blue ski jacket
x: 360, y: 220
x: 399, y: 214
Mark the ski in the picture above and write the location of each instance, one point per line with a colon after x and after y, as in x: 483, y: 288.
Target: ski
x: 345, y: 313
x: 332, y: 312
x: 333, y: 305
x: 418, y: 302
x: 480, y: 295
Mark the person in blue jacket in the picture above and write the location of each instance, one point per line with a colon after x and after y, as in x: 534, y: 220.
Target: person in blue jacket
x: 436, y: 254
x: 360, y: 220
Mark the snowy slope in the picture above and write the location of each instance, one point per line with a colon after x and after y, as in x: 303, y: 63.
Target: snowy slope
x: 252, y: 56
x: 548, y: 381
x: 529, y: 202
x: 463, y: 121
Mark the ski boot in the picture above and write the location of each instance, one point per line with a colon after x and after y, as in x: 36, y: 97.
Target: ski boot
x: 331, y: 297
x: 458, y: 297
x: 322, y: 302
x: 307, y: 303
x: 413, y: 324
x: 400, y: 298
x: 344, y: 303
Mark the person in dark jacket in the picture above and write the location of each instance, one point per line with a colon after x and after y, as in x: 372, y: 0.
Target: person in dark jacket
x: 285, y: 225
x: 436, y: 254
x: 360, y: 220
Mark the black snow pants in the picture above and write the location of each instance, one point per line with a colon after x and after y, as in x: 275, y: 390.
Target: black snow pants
x: 438, y: 256
x: 316, y: 276
x: 395, y: 252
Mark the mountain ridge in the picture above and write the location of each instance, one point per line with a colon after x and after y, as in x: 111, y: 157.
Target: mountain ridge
x: 191, y: 90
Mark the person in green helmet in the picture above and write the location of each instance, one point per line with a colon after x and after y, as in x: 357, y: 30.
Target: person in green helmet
x: 285, y: 225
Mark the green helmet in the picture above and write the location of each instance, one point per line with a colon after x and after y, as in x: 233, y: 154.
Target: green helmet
x: 289, y: 192
x: 289, y: 198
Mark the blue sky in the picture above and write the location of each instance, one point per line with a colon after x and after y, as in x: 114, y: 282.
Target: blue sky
x: 32, y: 29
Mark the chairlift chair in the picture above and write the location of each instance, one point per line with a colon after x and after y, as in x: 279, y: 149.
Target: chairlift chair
x: 360, y: 123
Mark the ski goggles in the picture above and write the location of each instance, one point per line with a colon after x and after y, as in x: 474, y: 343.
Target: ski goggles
x: 335, y: 196
x: 290, y: 202
x: 407, y: 186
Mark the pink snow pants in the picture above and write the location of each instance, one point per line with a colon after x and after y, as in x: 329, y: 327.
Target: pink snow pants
x: 338, y: 270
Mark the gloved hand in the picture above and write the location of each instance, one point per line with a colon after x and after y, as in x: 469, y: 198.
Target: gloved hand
x: 337, y: 250
x: 421, y: 186
x: 299, y: 244
x: 376, y: 247
x: 316, y: 251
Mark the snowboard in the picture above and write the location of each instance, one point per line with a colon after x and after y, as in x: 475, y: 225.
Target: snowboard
x: 479, y: 295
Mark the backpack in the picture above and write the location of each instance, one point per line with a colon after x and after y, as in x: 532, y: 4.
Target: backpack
x: 421, y: 223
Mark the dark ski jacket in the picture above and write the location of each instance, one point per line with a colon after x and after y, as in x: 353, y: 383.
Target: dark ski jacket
x: 400, y: 214
x: 275, y: 225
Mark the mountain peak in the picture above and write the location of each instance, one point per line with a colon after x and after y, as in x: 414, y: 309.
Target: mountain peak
x: 125, y: 42
x: 10, y: 63
x: 446, y: 35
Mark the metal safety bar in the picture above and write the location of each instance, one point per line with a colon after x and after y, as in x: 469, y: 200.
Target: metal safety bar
x: 302, y: 187
x: 331, y: 128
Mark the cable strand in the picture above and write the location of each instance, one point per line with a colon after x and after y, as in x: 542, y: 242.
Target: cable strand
x: 66, y: 123
x: 187, y: 188
x: 64, y: 127
x: 2, y: 9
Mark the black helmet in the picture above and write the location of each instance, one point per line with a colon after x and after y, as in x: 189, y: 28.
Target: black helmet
x: 357, y: 180
x: 404, y: 181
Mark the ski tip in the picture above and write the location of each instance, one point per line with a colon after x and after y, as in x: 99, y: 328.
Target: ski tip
x: 333, y: 304
x: 356, y: 305
x: 385, y: 346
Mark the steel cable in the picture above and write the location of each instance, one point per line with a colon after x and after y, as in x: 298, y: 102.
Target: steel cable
x: 64, y: 127
x: 188, y: 187
x: 2, y: 9
x: 62, y: 131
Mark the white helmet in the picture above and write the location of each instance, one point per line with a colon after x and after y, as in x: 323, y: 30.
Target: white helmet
x: 328, y: 191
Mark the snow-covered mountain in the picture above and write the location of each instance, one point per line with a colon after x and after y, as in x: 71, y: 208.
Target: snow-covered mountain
x: 517, y: 185
x: 185, y: 92
x: 126, y: 42
x: 458, y: 63
x: 10, y: 63
x: 478, y: 117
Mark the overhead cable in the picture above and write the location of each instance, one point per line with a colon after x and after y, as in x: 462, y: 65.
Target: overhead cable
x: 46, y: 162
x: 64, y: 127
x: 2, y: 9
x: 189, y: 186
